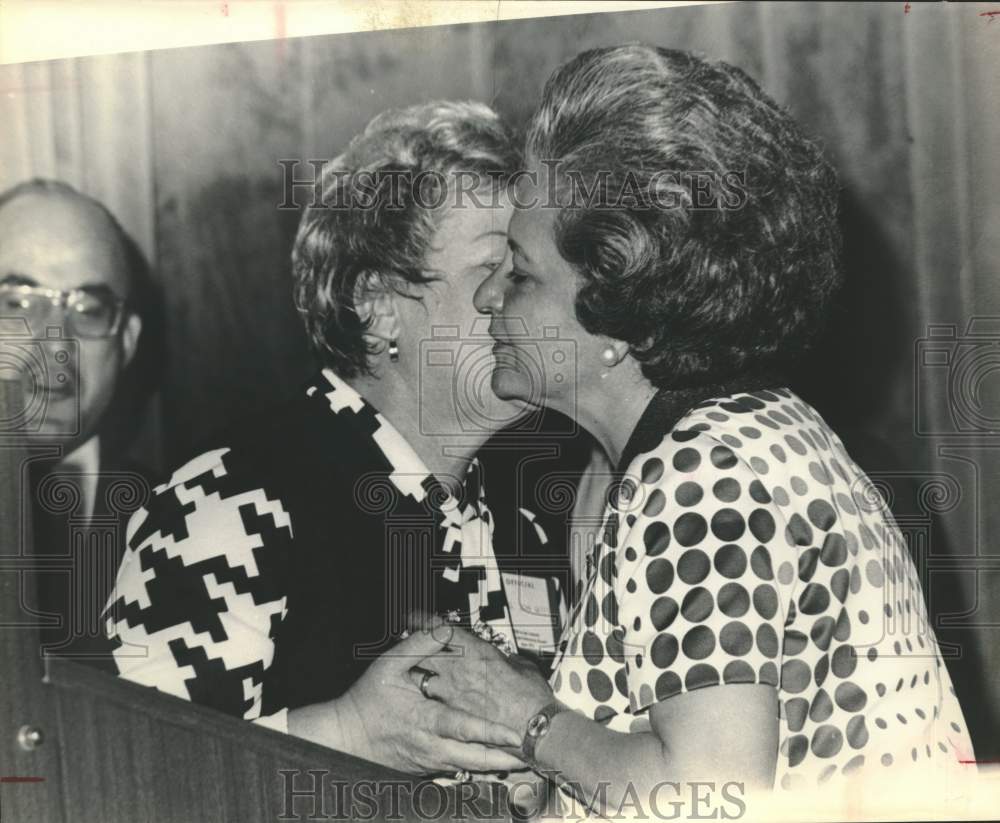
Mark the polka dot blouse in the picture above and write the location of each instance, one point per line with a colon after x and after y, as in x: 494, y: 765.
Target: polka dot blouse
x: 747, y: 547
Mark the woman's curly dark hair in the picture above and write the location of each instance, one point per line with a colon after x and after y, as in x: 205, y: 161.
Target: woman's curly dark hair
x: 723, y: 254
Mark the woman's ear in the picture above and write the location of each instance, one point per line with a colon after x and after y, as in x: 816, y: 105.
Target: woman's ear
x: 613, y: 352
x: 376, y: 305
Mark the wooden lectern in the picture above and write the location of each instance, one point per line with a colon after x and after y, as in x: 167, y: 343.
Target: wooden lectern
x: 81, y: 745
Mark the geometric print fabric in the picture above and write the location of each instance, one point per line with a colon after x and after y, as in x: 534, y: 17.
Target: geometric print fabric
x: 748, y: 547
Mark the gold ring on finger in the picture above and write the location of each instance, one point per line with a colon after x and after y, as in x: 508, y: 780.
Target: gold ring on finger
x: 423, y: 683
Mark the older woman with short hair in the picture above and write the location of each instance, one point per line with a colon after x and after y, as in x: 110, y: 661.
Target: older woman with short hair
x: 267, y: 577
x: 750, y: 613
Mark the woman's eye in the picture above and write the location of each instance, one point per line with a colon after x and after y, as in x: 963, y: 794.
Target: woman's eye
x: 516, y: 277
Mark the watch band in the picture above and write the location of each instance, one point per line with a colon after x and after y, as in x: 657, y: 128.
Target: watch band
x: 538, y: 727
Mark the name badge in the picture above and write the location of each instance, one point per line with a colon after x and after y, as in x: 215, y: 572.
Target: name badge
x: 534, y: 604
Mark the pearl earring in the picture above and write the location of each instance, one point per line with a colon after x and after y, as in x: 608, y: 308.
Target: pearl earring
x: 609, y: 356
x: 393, y: 351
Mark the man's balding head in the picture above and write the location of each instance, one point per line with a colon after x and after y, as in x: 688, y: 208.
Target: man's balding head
x: 53, y: 234
x: 54, y: 237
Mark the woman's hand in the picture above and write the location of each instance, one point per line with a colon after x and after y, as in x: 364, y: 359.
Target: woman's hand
x: 474, y: 677
x: 385, y: 718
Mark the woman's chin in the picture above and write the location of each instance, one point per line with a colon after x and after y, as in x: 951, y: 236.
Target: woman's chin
x: 512, y: 387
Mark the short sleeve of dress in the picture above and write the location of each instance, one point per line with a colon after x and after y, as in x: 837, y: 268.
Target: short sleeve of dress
x: 696, y: 587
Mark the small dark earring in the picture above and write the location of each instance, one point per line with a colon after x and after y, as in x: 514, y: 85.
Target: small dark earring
x: 393, y: 351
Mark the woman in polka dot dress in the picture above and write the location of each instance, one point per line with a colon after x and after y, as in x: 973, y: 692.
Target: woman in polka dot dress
x: 750, y: 612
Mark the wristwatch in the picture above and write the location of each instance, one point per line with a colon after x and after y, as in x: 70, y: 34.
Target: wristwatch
x: 538, y: 727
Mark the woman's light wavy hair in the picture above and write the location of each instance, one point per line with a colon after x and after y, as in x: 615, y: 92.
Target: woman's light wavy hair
x: 365, y: 232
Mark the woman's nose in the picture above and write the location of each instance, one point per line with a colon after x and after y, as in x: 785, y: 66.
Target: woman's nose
x: 488, y: 298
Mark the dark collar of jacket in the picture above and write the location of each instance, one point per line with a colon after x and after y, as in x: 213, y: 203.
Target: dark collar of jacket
x: 668, y: 406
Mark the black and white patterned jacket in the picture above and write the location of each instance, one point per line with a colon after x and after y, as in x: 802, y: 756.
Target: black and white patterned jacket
x: 269, y: 572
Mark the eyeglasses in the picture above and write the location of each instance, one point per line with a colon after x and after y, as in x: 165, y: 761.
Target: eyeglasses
x: 80, y: 312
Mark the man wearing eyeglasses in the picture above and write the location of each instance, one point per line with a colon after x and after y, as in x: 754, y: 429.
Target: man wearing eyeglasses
x: 68, y: 332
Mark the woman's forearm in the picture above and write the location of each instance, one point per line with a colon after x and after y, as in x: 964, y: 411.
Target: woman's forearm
x: 724, y: 735
x: 331, y: 724
x: 528, y: 792
x: 604, y: 769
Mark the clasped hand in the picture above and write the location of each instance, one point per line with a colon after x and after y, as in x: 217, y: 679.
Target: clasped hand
x: 472, y: 677
x: 387, y: 719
